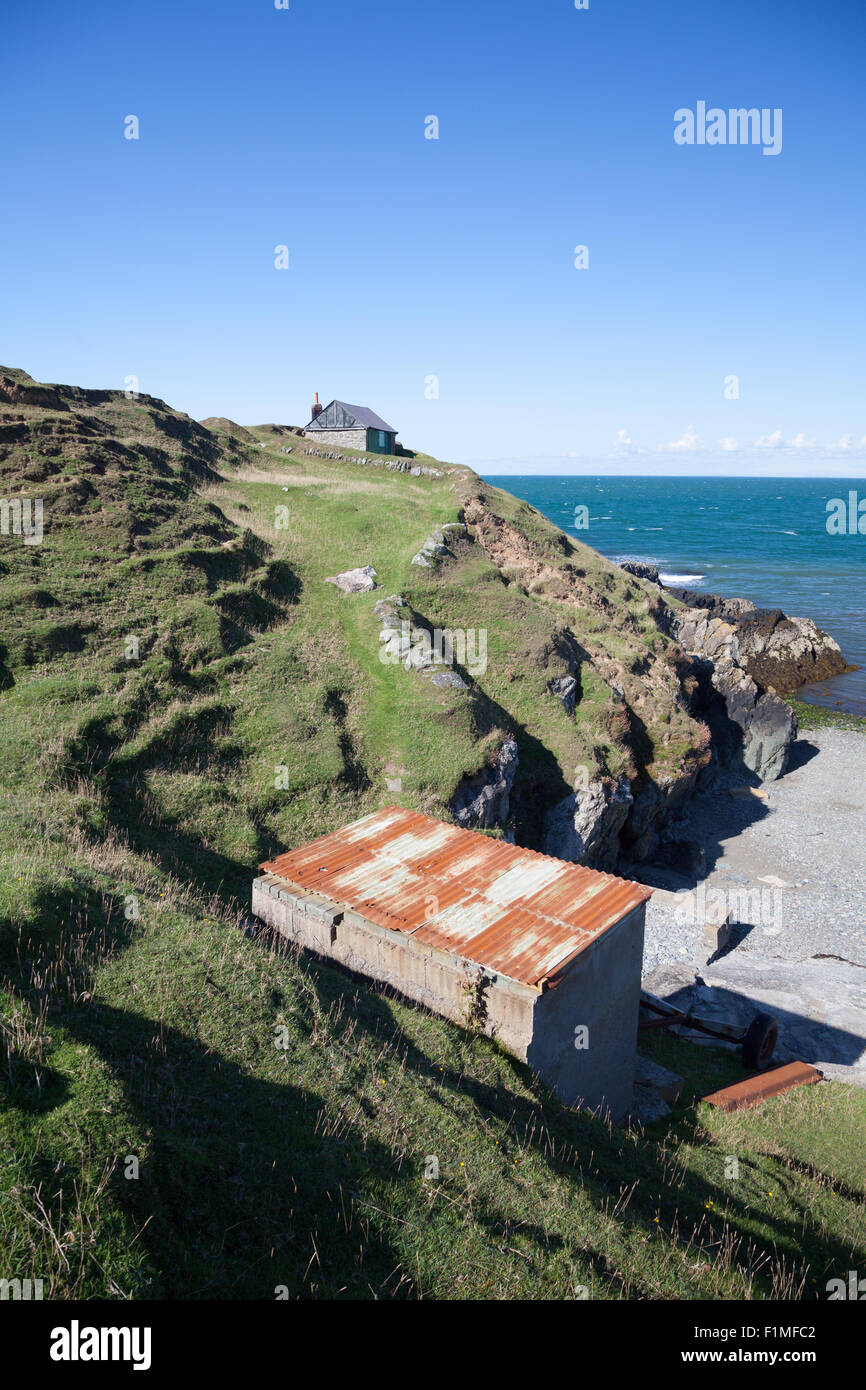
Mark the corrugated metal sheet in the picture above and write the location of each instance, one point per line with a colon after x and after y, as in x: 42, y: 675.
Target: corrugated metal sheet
x: 519, y: 913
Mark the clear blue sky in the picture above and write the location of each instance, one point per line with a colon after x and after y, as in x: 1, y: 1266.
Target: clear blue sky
x: 453, y: 257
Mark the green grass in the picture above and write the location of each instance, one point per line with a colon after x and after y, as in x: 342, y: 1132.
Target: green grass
x: 140, y: 794
x: 303, y: 1165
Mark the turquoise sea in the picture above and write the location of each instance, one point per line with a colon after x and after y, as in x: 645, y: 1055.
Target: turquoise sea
x: 760, y: 538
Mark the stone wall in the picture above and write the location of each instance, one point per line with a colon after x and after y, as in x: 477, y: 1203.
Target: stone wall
x: 339, y: 439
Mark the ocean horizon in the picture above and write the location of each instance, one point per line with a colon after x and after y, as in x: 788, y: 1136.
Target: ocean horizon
x: 764, y: 539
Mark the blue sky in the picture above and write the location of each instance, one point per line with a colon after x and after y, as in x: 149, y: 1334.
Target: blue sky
x: 412, y: 258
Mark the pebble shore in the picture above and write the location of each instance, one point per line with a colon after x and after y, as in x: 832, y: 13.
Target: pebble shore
x: 792, y: 861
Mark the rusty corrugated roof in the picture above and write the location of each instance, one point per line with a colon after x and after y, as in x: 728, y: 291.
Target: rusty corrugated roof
x: 519, y: 913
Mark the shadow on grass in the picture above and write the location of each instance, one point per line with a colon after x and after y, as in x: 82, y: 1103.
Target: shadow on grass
x: 569, y: 1140
x: 242, y: 1189
x: 248, y: 1184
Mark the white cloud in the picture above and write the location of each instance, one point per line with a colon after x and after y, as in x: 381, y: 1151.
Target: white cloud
x: 689, y: 444
x: 800, y: 445
x: 770, y: 441
x: 806, y: 444
x: 622, y: 445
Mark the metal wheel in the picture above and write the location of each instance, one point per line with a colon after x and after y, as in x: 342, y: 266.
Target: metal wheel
x: 760, y: 1041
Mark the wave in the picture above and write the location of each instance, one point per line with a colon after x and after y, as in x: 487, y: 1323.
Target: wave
x: 682, y: 580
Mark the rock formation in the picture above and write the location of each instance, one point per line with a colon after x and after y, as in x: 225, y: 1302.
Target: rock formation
x: 748, y: 723
x: 779, y: 652
x: 585, y: 826
x: 482, y: 800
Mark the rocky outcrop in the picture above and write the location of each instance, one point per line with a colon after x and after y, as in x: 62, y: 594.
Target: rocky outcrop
x: 781, y: 653
x: 565, y: 690
x: 785, y: 653
x: 406, y: 643
x: 654, y: 803
x: 641, y: 571
x: 436, y: 546
x: 482, y: 800
x: 750, y: 725
x: 584, y: 828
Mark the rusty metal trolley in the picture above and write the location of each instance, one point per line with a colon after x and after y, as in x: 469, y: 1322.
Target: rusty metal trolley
x: 757, y: 1041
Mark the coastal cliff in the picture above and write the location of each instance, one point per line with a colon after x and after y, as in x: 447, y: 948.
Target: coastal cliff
x: 242, y: 642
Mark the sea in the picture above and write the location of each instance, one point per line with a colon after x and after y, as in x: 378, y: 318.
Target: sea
x: 765, y: 539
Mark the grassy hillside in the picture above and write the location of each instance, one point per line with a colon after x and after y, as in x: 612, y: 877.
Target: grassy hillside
x: 182, y: 695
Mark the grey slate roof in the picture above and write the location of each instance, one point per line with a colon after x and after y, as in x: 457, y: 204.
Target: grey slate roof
x: 360, y: 418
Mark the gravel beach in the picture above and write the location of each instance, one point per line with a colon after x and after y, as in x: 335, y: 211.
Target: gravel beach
x: 791, y: 862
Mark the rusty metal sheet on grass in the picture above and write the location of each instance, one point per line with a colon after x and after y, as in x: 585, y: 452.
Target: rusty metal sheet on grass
x: 744, y: 1094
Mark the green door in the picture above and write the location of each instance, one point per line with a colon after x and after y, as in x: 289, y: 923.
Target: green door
x: 379, y: 441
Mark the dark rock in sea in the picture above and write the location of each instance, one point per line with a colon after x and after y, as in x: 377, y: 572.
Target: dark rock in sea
x: 785, y: 653
x: 720, y: 607
x: 641, y: 571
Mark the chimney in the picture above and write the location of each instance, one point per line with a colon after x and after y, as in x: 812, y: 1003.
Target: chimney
x: 317, y: 409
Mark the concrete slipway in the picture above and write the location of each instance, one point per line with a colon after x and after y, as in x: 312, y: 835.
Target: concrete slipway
x: 543, y: 955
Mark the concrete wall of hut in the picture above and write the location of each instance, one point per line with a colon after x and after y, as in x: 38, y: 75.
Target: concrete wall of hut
x: 601, y: 993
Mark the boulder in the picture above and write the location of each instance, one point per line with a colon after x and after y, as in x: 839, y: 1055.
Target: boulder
x: 447, y: 680
x: 767, y: 725
x: 436, y: 546
x: 751, y: 727
x: 357, y: 581
x: 565, y: 689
